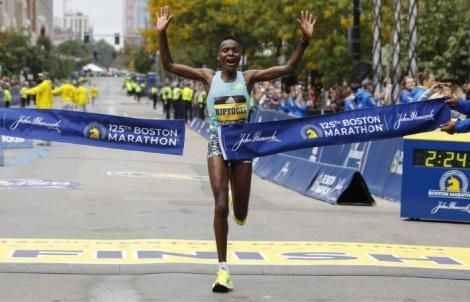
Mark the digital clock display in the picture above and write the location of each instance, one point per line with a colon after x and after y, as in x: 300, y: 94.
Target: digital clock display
x: 441, y: 158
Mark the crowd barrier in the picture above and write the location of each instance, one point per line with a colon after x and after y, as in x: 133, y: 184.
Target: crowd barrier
x: 326, y: 182
x: 379, y: 162
x: 2, y: 160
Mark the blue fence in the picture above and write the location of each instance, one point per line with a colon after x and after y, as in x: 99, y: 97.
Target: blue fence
x: 2, y: 160
x: 379, y: 162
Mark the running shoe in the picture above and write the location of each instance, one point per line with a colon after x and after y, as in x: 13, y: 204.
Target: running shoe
x: 223, y: 282
x: 230, y: 201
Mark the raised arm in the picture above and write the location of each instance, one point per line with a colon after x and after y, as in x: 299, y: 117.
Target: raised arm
x: 200, y: 74
x: 307, y: 23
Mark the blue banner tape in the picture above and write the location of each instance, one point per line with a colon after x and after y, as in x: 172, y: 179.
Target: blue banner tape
x: 252, y: 140
x: 99, y: 130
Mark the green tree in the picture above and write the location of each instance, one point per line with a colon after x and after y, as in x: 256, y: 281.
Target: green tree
x: 142, y: 61
x: 268, y: 31
x: 105, y: 53
x: 14, y: 50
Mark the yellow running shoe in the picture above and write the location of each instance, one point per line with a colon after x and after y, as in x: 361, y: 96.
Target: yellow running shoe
x: 230, y: 201
x: 223, y: 282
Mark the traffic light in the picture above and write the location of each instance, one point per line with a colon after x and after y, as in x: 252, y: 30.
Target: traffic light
x: 95, y: 55
x: 86, y: 37
x: 116, y: 38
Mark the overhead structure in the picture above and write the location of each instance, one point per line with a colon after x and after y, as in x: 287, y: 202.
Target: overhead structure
x: 412, y: 13
x: 396, y: 52
x: 377, y: 48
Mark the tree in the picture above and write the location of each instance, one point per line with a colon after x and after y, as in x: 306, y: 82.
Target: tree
x: 269, y: 32
x: 142, y: 61
x: 14, y: 50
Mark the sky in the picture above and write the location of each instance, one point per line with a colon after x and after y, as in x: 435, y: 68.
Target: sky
x: 106, y: 16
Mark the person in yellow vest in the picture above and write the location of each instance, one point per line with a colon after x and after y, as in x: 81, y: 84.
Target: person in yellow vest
x: 187, y: 96
x: 154, y: 93
x: 201, y: 100
x: 94, y: 93
x: 176, y: 102
x: 7, y: 95
x: 81, y: 97
x: 129, y: 87
x: 166, y: 95
x: 143, y: 89
x: 137, y: 91
x: 66, y: 91
x: 43, y: 92
x: 23, y: 95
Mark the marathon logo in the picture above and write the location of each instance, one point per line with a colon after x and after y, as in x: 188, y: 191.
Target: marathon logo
x: 231, y: 109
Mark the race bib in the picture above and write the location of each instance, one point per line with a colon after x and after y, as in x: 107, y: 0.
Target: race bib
x: 230, y: 109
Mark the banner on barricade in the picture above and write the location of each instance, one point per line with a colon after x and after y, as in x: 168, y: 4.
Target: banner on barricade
x: 10, y: 142
x: 329, y: 183
x: 252, y: 140
x: 2, y: 161
x: 99, y: 130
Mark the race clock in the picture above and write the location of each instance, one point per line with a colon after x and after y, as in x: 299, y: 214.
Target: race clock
x: 436, y: 172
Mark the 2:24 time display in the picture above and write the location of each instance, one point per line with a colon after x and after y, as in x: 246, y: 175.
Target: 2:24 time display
x: 441, y: 158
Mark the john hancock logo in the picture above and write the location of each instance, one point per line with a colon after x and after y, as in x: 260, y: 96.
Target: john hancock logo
x: 94, y: 131
x: 310, y: 132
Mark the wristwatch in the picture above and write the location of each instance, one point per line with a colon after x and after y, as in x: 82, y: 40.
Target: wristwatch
x: 304, y: 42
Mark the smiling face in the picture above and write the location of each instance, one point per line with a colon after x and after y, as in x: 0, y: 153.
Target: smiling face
x: 229, y: 55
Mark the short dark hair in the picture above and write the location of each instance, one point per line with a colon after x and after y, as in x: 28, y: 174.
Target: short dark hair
x: 424, y: 76
x: 228, y: 37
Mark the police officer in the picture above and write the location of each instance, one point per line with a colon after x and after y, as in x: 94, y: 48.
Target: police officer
x: 154, y: 93
x: 166, y: 95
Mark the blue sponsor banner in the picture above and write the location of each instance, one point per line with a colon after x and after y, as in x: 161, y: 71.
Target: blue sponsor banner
x: 99, y: 130
x: 248, y: 141
x: 10, y: 142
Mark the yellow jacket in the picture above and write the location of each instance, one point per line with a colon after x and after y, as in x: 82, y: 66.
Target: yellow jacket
x: 94, y: 91
x: 66, y: 92
x: 81, y: 95
x: 187, y: 94
x: 43, y: 94
x: 23, y: 94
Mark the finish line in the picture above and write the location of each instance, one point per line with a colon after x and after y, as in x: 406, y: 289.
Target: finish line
x: 240, y: 253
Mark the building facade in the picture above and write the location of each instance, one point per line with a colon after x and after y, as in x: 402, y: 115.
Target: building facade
x: 44, y: 17
x: 32, y: 16
x: 78, y: 24
x: 135, y: 18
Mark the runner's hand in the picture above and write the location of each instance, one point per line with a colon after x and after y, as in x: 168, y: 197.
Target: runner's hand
x: 448, y: 127
x: 307, y: 23
x: 452, y: 102
x: 163, y: 18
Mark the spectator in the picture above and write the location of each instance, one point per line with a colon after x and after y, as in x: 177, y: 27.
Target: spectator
x: 364, y: 97
x: 426, y: 81
x: 406, y: 96
x: 350, y: 100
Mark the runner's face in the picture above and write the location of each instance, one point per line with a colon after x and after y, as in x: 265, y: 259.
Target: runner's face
x: 229, y: 55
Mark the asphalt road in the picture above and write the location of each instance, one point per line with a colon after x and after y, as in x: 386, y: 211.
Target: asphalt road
x: 120, y: 195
